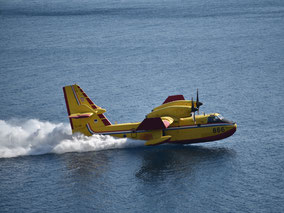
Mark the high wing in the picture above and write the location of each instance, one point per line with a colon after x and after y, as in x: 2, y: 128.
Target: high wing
x: 175, y: 107
x: 178, y: 100
x: 173, y: 98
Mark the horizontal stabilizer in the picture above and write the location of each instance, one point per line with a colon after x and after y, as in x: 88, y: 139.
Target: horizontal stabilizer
x: 155, y: 123
x: 158, y: 141
x: 99, y: 111
x: 81, y: 115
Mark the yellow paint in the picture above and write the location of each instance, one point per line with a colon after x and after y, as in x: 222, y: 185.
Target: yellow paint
x: 88, y: 118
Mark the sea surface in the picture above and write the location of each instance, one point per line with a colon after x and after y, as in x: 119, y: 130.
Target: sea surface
x: 128, y: 56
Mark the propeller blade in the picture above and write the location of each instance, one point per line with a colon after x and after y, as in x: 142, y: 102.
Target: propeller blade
x: 198, y: 104
x: 197, y: 101
x: 193, y: 109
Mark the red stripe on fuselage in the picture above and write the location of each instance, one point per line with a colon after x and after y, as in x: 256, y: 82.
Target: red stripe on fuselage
x: 91, y: 128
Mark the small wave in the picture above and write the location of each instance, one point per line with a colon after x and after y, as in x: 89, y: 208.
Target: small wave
x: 20, y: 137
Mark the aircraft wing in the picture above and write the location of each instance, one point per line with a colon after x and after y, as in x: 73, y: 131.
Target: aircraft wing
x: 173, y: 98
x: 156, y: 125
x: 81, y: 115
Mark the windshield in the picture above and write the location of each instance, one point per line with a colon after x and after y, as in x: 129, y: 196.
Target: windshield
x: 214, y: 119
x: 220, y: 117
x: 217, y: 119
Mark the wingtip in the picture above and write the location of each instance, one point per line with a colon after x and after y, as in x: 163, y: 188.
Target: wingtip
x: 173, y: 98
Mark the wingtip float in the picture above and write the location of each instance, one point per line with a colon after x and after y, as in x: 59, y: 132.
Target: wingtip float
x: 172, y: 122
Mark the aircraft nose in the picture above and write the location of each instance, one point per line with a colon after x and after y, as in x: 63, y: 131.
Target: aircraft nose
x: 235, y: 126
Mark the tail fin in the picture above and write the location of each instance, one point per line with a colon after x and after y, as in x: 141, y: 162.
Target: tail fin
x: 84, y: 115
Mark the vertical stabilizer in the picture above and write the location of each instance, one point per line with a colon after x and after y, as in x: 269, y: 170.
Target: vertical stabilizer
x: 84, y: 115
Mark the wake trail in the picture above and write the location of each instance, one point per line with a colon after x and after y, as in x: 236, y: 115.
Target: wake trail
x: 19, y: 137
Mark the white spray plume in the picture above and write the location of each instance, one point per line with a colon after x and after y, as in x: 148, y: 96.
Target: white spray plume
x: 33, y: 137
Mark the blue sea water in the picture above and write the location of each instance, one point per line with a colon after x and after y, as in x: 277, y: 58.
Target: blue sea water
x: 128, y: 56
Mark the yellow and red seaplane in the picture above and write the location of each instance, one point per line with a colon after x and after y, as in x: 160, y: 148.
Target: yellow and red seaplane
x: 172, y: 122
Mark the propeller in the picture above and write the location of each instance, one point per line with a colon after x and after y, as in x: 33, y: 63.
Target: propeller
x: 198, y: 104
x: 193, y: 109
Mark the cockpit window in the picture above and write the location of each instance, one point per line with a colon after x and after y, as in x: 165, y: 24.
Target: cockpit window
x: 217, y: 119
x: 220, y: 117
x: 214, y: 119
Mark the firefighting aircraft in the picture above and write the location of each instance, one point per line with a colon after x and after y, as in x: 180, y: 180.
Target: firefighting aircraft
x: 172, y: 122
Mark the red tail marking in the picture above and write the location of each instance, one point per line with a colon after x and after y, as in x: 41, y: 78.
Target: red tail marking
x: 101, y: 116
x: 90, y: 102
x: 106, y: 122
x: 104, y: 119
